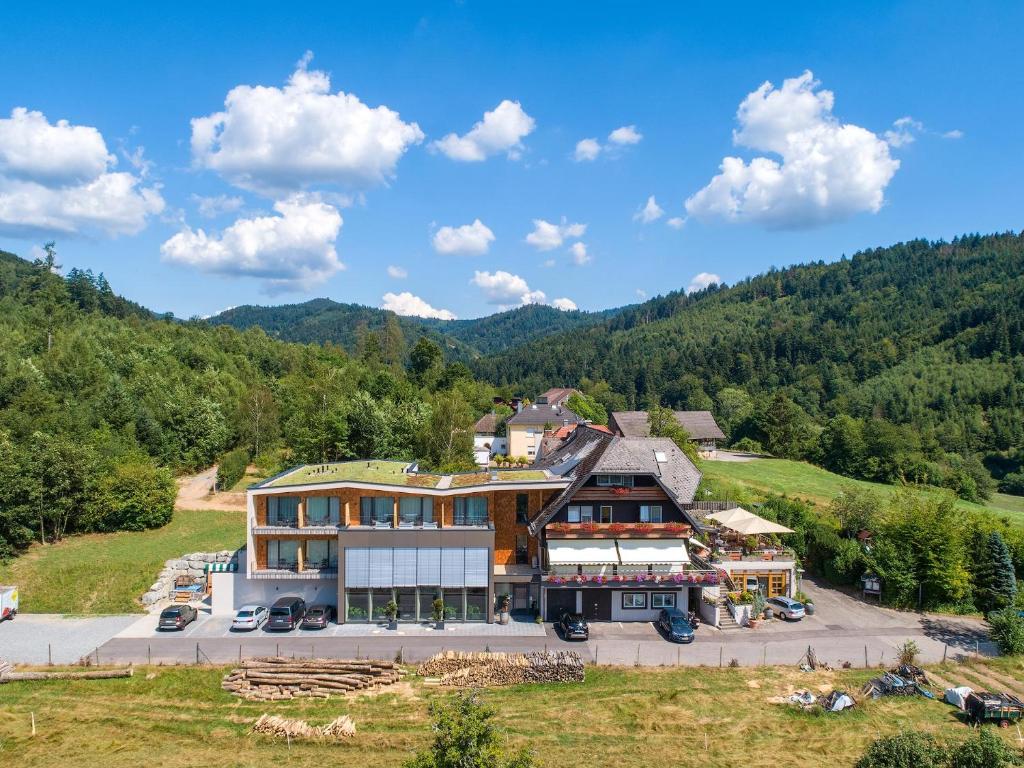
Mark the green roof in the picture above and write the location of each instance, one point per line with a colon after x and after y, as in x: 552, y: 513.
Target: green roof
x: 504, y: 476
x: 375, y: 471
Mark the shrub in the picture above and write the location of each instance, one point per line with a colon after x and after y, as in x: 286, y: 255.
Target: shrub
x: 231, y: 468
x: 133, y: 496
x: 1006, y: 628
x: 908, y: 652
x: 984, y: 750
x: 1013, y: 483
x: 903, y: 750
x: 747, y: 445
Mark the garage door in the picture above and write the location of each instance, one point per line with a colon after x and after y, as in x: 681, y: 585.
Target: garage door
x: 560, y: 601
x: 597, y: 604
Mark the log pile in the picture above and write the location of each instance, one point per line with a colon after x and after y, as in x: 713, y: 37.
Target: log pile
x: 9, y: 676
x: 484, y: 669
x: 278, y: 679
x: 5, y: 667
x: 284, y: 728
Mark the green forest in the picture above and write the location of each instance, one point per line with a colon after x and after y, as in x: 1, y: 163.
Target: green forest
x: 102, y: 403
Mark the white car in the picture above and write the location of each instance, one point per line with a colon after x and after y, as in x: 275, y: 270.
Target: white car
x: 250, y: 617
x: 786, y: 608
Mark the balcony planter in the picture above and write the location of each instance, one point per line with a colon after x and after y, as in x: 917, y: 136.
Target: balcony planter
x: 620, y: 491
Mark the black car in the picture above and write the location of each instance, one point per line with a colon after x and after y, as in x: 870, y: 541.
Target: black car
x: 317, y: 617
x: 574, y: 626
x: 675, y: 625
x: 177, y: 617
x: 286, y: 613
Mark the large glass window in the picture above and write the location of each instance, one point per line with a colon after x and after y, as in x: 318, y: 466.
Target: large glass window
x: 522, y: 508
x: 624, y: 481
x: 283, y: 554
x: 381, y: 598
x: 581, y: 514
x: 406, y: 603
x: 522, y: 549
x: 476, y: 604
x: 358, y: 605
x: 663, y: 600
x: 415, y: 510
x: 322, y: 553
x: 650, y: 513
x: 454, y: 610
x: 323, y: 510
x: 471, y: 510
x: 427, y: 597
x: 283, y: 510
x: 376, y: 509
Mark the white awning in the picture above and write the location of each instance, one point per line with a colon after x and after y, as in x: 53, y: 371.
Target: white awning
x: 650, y: 551
x: 582, y: 552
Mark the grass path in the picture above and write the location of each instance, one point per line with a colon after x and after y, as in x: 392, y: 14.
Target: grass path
x: 803, y: 480
x: 625, y: 718
x: 108, y: 572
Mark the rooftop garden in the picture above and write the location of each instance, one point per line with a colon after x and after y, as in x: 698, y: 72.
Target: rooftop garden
x: 504, y: 476
x: 375, y: 471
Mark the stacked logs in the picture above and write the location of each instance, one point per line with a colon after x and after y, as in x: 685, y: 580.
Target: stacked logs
x: 278, y: 679
x: 283, y: 728
x: 480, y: 669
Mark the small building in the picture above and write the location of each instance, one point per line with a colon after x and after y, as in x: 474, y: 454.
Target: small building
x: 556, y: 396
x: 487, y: 443
x: 700, y: 425
x: 525, y: 429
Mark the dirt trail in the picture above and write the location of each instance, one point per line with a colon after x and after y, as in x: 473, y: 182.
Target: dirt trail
x: 195, y: 492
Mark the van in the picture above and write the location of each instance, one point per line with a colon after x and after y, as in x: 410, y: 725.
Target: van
x: 286, y: 613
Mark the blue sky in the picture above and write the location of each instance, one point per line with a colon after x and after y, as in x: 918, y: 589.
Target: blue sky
x: 264, y: 200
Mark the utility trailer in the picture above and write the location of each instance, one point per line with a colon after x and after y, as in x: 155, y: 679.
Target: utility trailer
x: 999, y: 708
x: 8, y: 602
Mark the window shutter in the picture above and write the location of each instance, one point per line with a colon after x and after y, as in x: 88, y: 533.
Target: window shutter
x: 428, y: 567
x: 453, y: 567
x: 405, y: 566
x: 476, y: 567
x: 381, y: 568
x: 357, y: 567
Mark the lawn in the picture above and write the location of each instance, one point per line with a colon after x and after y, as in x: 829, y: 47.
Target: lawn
x: 625, y: 718
x: 803, y: 480
x: 108, y: 572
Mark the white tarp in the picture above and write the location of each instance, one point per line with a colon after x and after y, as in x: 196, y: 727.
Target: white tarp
x: 957, y: 696
x: 653, y: 551
x: 841, y: 703
x: 582, y: 552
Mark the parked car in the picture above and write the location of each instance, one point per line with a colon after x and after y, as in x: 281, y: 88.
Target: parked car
x: 250, y: 617
x: 574, y: 626
x: 786, y: 607
x: 675, y: 625
x: 317, y: 617
x: 286, y: 613
x: 177, y: 617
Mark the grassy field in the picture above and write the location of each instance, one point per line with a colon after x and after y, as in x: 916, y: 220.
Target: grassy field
x: 799, y: 479
x: 108, y: 572
x: 620, y: 717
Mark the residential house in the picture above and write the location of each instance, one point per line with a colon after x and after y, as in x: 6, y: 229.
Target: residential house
x: 487, y: 443
x: 525, y: 429
x: 556, y: 396
x: 700, y: 425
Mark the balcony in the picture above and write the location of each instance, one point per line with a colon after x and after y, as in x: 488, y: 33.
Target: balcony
x: 290, y: 526
x: 290, y: 569
x: 617, y: 530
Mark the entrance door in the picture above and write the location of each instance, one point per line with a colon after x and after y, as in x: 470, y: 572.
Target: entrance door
x: 520, y: 597
x: 560, y: 601
x: 597, y: 604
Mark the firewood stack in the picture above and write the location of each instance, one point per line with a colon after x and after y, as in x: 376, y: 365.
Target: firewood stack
x: 277, y: 679
x: 484, y: 669
x: 5, y: 667
x: 341, y: 727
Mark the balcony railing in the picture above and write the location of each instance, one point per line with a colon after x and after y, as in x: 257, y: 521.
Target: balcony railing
x: 617, y: 530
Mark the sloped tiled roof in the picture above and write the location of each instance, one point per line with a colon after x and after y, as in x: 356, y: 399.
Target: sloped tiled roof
x: 558, y: 395
x: 701, y: 425
x: 487, y: 424
x: 544, y: 414
x: 575, y: 460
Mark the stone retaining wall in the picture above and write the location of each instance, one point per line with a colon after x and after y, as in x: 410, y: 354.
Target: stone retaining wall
x: 192, y: 565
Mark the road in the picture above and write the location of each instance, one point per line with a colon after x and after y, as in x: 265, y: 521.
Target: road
x: 196, y: 492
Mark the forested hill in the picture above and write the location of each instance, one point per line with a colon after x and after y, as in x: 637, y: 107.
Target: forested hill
x: 323, y: 320
x: 929, y: 335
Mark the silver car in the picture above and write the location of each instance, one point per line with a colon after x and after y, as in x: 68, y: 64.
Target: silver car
x: 786, y: 607
x: 250, y: 617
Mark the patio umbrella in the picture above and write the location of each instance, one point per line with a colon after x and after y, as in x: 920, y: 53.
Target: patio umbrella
x: 754, y: 525
x: 731, y: 515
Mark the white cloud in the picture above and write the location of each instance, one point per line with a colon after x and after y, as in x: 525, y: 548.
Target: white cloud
x: 214, y: 206
x: 580, y: 257
x: 903, y: 132
x: 58, y: 179
x: 291, y: 251
x: 627, y: 134
x: 641, y: 293
x: 956, y: 133
x: 408, y: 304
x: 676, y: 222
x: 829, y: 170
x: 702, y: 280
x: 398, y: 273
x: 468, y: 240
x: 549, y: 263
x: 587, y: 150
x: 650, y: 212
x: 566, y: 305
x: 546, y: 236
x: 271, y: 139
x: 506, y: 289
x: 501, y: 130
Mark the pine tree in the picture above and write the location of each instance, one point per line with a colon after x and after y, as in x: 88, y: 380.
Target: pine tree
x: 995, y: 581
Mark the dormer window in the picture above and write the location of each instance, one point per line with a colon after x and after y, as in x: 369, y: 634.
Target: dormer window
x: 615, y: 481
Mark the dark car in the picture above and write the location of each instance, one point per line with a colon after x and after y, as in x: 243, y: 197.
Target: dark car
x: 574, y: 626
x: 317, y: 617
x: 177, y: 617
x: 286, y: 613
x: 675, y: 625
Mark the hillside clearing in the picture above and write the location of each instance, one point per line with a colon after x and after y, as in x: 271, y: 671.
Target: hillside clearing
x: 620, y: 717
x: 107, y: 572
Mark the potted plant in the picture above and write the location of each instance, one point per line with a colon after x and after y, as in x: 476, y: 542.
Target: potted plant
x: 808, y: 603
x: 504, y: 606
x: 437, y: 613
x: 391, y: 612
x: 756, y: 610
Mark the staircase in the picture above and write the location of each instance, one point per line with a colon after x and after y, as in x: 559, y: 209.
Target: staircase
x: 726, y: 622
